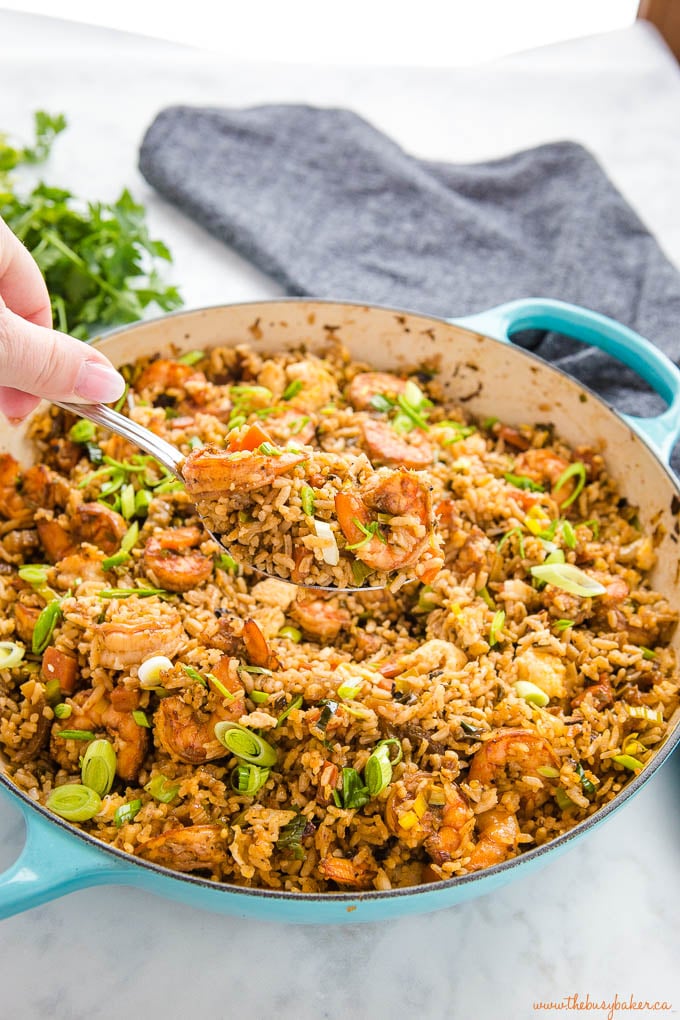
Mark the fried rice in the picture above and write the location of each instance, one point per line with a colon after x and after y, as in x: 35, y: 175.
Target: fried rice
x: 262, y: 735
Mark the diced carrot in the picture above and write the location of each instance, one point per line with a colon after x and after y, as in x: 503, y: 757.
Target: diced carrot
x: 60, y: 666
x: 249, y: 440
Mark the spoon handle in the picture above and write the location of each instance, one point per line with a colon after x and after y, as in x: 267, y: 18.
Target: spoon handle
x: 147, y: 440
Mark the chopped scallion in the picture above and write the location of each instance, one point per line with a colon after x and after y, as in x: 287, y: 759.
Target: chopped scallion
x: 532, y: 694
x: 34, y: 574
x: 569, y: 578
x: 248, y: 779
x: 11, y: 654
x: 162, y: 789
x: 576, y: 470
x: 126, y: 812
x: 98, y: 768
x: 523, y: 482
x: 74, y: 802
x: 191, y: 358
x: 307, y: 499
x: 82, y: 432
x: 295, y: 703
x: 292, y: 389
x: 628, y: 762
x: 44, y: 626
x: 246, y: 744
x: 140, y: 718
x: 149, y: 672
x: 496, y: 627
x: 76, y: 734
x: 349, y: 689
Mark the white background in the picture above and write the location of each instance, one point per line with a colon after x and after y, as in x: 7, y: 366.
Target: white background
x: 427, y: 33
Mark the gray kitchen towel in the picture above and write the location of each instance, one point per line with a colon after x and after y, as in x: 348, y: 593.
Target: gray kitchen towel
x: 330, y: 207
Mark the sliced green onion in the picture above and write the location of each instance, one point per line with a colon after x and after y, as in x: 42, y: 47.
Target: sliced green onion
x: 647, y: 653
x: 236, y: 421
x: 292, y: 389
x: 568, y: 535
x: 129, y: 539
x: 628, y: 762
x: 556, y: 556
x: 195, y: 443
x: 564, y: 801
x: 193, y: 674
x: 560, y: 625
x: 117, y: 560
x: 297, y: 426
x: 220, y: 688
x: 162, y: 789
x: 149, y: 672
x: 587, y: 784
x: 485, y: 594
x: 631, y: 745
x: 142, y: 502
x: 44, y: 626
x: 269, y: 450
x: 489, y: 423
x: 378, y: 771
x: 82, y: 432
x: 95, y: 454
x: 307, y: 499
x: 115, y: 483
x: 248, y: 779
x: 125, y: 593
x: 62, y: 711
x: 34, y: 574
x: 74, y: 802
x: 256, y: 669
x: 245, y: 744
x: 523, y: 482
x: 532, y: 694
x: 295, y: 703
x: 520, y: 540
x: 349, y: 689
x: 594, y: 526
x: 292, y: 633
x: 191, y: 357
x: 126, y: 812
x: 569, y: 578
x: 576, y: 470
x: 121, y: 400
x: 327, y: 712
x: 381, y: 402
x: 141, y: 719
x: 127, y: 501
x: 646, y: 713
x: 548, y: 771
x: 360, y: 571
x: 226, y: 562
x: 11, y: 654
x: 259, y: 697
x: 496, y: 627
x: 98, y: 768
x: 76, y: 734
x: 372, y: 531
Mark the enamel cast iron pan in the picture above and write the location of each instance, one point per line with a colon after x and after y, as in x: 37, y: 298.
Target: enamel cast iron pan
x: 479, y: 367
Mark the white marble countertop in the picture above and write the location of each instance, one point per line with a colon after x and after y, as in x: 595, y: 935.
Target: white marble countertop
x: 599, y: 921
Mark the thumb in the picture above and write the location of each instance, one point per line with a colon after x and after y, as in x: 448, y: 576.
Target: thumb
x: 49, y: 364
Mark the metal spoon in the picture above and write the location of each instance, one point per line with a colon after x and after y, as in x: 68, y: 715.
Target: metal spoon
x: 169, y: 457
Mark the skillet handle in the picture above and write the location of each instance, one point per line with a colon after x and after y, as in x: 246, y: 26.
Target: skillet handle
x: 660, y: 432
x: 54, y: 862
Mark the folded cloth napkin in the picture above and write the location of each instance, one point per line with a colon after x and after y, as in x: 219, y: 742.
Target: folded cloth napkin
x: 330, y: 207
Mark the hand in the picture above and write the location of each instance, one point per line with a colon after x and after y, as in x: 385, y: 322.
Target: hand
x: 35, y: 360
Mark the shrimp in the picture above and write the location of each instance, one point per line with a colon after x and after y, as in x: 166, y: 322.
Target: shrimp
x: 210, y: 473
x: 12, y: 505
x: 111, y: 712
x: 168, y: 556
x: 400, y: 495
x: 522, y: 750
x: 367, y: 385
x: 193, y: 848
x: 134, y: 632
x: 498, y: 838
x: 41, y: 487
x: 318, y: 385
x: 354, y: 873
x: 22, y: 543
x: 385, y: 446
x: 257, y: 649
x: 76, y: 568
x: 164, y: 374
x: 320, y: 618
x: 55, y: 539
x: 188, y: 734
x: 436, y: 815
x: 291, y: 425
x: 98, y: 525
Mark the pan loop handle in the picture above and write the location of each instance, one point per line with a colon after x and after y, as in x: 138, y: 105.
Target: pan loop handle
x: 53, y: 863
x: 660, y: 432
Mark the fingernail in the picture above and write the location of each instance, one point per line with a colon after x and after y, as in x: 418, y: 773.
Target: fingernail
x: 98, y: 383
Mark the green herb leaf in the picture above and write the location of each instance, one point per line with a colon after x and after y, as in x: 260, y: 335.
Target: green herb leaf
x: 290, y: 836
x: 353, y: 794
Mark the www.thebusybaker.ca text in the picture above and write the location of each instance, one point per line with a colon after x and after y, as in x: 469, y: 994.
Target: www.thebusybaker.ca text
x: 609, y: 1007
